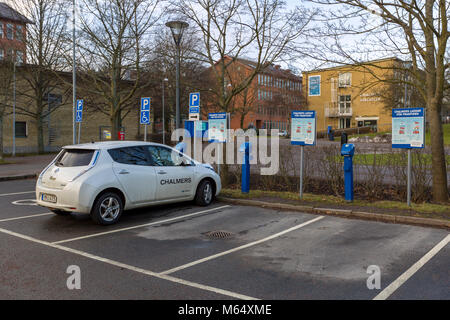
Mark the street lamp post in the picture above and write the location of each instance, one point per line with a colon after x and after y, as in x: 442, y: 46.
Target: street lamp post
x: 14, y: 110
x: 163, y: 117
x: 74, y: 78
x: 177, y: 29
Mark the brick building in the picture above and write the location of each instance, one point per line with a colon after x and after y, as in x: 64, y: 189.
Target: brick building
x: 267, y: 102
x: 13, y: 32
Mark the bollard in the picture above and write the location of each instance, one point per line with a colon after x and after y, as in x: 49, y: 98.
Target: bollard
x: 245, y: 184
x: 347, y: 151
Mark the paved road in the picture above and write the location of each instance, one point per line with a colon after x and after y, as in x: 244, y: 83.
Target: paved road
x: 166, y: 253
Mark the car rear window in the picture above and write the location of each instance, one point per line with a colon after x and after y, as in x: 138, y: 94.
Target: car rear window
x: 75, y: 158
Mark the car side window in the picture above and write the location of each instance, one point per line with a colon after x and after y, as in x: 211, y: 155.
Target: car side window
x: 162, y: 156
x: 130, y: 155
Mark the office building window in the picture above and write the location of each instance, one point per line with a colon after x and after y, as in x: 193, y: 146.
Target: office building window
x: 345, y: 103
x: 9, y: 31
x: 1, y: 30
x: 2, y: 54
x: 19, y: 57
x: 345, y: 79
x: 21, y: 129
x: 19, y: 33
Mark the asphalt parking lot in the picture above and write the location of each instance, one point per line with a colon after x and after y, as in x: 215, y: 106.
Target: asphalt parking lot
x: 174, y: 252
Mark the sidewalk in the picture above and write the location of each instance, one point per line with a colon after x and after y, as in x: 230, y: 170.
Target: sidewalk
x: 24, y: 167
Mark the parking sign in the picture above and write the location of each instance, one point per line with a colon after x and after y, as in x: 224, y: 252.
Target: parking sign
x: 145, y: 110
x: 79, y: 111
x: 194, y: 99
x: 194, y: 106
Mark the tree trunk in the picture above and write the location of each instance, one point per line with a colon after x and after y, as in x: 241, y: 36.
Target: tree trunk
x: 115, y: 125
x: 40, y: 135
x: 1, y: 137
x: 438, y: 161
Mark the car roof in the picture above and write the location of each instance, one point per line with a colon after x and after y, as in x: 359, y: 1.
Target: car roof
x: 111, y: 145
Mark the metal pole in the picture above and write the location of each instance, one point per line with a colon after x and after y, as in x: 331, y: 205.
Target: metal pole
x: 14, y: 111
x: 408, y: 187
x: 218, y: 158
x: 177, y: 112
x: 74, y: 77
x: 408, y: 197
x: 195, y: 125
x: 145, y: 132
x: 301, y: 172
x: 163, y: 120
x: 79, y: 132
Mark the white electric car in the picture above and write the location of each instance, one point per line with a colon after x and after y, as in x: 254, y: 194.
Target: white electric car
x: 106, y: 178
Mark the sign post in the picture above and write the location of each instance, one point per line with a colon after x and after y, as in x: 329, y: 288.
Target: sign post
x: 217, y: 131
x: 194, y: 113
x: 303, y: 133
x: 145, y: 114
x: 408, y: 132
x: 79, y: 117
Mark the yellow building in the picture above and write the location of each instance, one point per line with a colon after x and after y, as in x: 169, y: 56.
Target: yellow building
x: 351, y: 96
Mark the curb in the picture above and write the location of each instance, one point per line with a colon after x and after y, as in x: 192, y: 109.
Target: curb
x: 19, y: 177
x: 344, y: 213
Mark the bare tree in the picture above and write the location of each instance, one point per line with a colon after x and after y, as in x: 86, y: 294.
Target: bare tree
x: 114, y: 44
x: 231, y: 29
x: 45, y: 51
x: 161, y: 66
x: 416, y: 30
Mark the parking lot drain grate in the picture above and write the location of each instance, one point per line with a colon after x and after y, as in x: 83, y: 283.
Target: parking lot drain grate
x: 219, y: 234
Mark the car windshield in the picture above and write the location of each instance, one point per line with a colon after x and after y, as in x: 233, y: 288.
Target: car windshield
x: 74, y: 158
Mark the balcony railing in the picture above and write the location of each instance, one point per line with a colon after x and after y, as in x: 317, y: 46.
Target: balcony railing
x: 338, y: 112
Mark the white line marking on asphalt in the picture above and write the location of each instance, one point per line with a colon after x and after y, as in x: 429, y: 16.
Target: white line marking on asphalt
x: 15, y: 193
x: 383, y: 295
x: 131, y: 268
x: 140, y: 226
x: 27, y: 217
x: 254, y: 243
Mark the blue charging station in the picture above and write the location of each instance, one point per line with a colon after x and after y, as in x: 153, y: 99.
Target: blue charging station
x: 245, y: 184
x: 347, y: 151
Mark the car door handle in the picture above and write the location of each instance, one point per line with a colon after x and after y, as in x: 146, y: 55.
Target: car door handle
x: 123, y: 171
x: 162, y: 172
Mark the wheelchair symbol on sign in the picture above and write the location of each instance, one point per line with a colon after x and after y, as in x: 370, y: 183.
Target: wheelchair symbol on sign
x: 79, y: 118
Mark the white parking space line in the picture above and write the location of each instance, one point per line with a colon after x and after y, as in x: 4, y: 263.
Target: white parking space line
x: 131, y: 268
x: 389, y: 290
x: 140, y: 226
x: 16, y: 193
x: 27, y: 217
x: 254, y: 243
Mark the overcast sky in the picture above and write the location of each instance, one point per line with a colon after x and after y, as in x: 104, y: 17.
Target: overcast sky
x: 299, y: 64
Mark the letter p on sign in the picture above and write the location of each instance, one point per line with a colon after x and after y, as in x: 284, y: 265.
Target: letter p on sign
x: 194, y: 99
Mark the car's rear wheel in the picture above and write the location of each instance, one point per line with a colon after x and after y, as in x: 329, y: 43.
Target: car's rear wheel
x: 107, y: 209
x: 60, y: 212
x: 205, y: 193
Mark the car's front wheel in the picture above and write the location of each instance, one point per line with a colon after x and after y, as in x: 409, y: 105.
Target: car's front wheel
x: 205, y: 193
x: 107, y: 209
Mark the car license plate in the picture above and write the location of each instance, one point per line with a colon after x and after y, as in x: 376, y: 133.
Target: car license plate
x: 48, y: 197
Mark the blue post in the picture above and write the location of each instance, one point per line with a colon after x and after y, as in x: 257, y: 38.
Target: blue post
x: 347, y: 152
x: 245, y: 185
